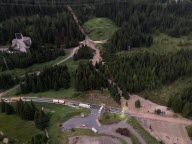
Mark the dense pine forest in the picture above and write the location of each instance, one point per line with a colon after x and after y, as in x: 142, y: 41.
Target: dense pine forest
x: 87, y: 77
x: 50, y: 78
x: 146, y: 71
x: 56, y: 29
x: 84, y: 52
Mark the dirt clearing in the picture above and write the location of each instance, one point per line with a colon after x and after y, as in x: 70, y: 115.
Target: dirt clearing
x: 167, y: 128
x: 93, y: 140
x: 169, y: 133
x: 98, y: 97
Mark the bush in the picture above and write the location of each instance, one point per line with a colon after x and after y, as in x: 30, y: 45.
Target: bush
x: 123, y: 131
x: 158, y: 111
x: 137, y: 104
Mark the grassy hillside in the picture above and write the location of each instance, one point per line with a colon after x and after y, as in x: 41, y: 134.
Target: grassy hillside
x: 163, y: 43
x: 100, y: 28
x: 18, y: 129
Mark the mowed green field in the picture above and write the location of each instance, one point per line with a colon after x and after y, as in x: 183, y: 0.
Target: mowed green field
x: 18, y: 129
x: 100, y: 28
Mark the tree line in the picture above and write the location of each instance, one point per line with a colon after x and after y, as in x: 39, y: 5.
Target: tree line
x: 87, y: 77
x: 50, y: 78
x: 37, y: 54
x: 182, y: 102
x: 146, y: 71
x: 84, y: 52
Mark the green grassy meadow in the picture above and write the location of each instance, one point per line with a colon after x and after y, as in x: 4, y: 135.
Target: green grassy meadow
x: 100, y: 28
x: 17, y: 129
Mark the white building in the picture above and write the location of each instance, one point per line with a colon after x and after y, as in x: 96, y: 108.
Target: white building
x: 21, y: 43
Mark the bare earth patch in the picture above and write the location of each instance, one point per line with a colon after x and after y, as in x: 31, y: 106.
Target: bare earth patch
x: 99, y: 98
x: 93, y: 140
x: 166, y: 128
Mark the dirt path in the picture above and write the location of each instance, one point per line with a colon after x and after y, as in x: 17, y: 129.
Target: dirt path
x: 70, y: 55
x: 92, y: 44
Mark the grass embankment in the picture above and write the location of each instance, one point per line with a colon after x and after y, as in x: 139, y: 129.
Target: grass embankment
x: 16, y: 128
x: 111, y: 118
x: 38, y: 67
x: 100, y: 28
x: 148, y: 138
x: 189, y: 131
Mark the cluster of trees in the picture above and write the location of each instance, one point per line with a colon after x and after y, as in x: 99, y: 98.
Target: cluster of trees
x: 37, y: 54
x: 147, y: 70
x: 7, y: 108
x: 87, y: 77
x: 26, y: 110
x: 50, y: 78
x: 114, y: 92
x: 7, y: 81
x: 182, y: 102
x: 130, y: 35
x: 84, y: 52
